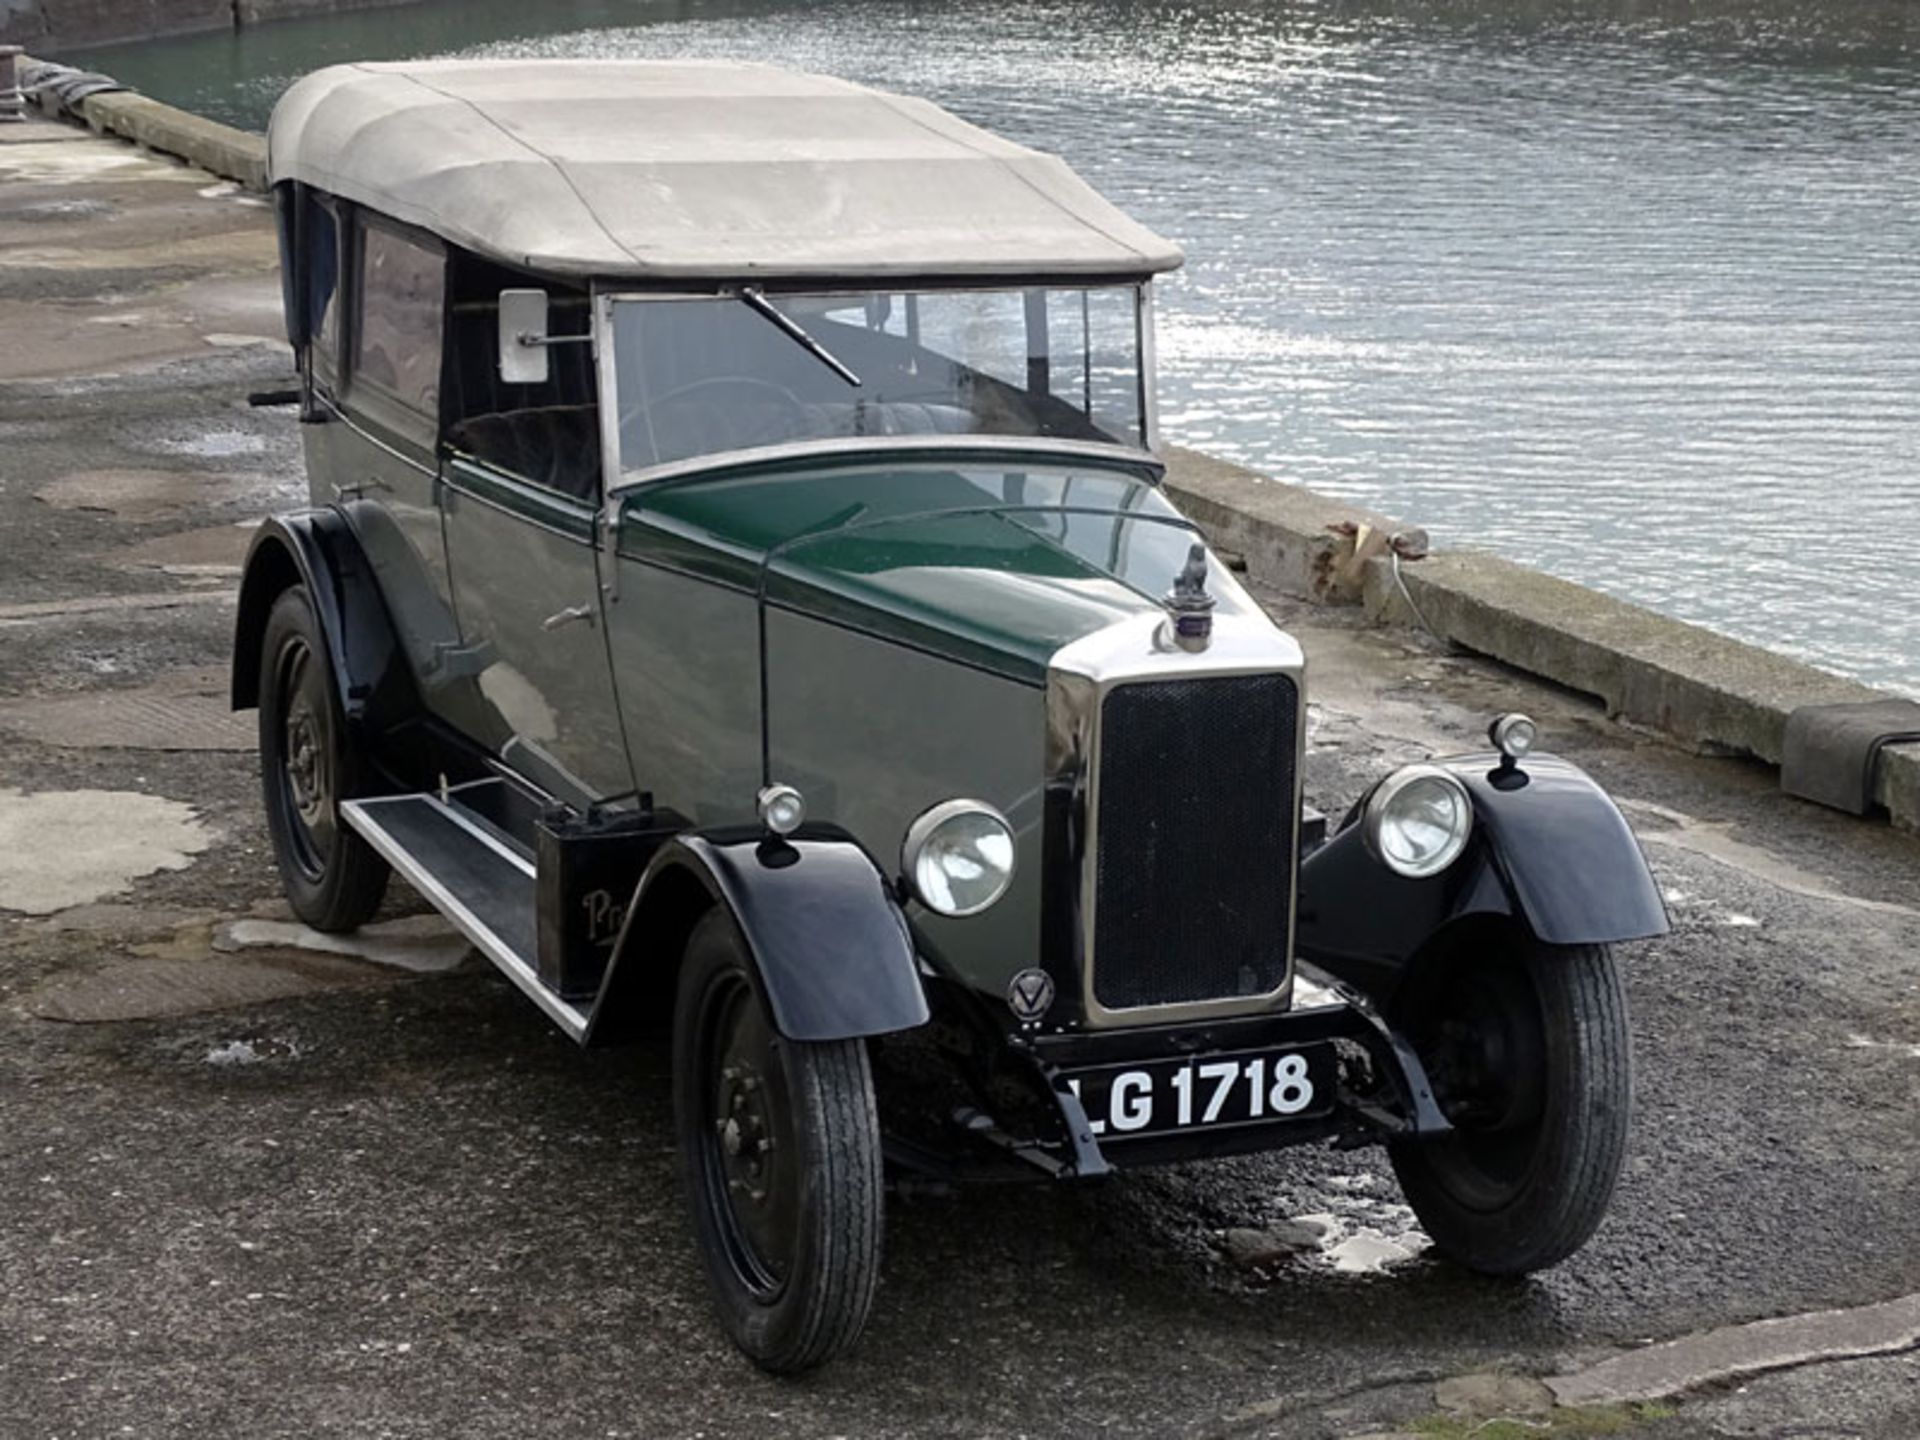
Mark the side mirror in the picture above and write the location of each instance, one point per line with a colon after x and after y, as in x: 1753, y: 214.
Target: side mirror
x: 523, y: 337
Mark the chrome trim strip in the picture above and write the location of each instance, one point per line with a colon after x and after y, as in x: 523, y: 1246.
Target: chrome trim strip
x: 1149, y: 369
x: 510, y: 964
x: 855, y: 447
x: 329, y: 403
x: 608, y: 519
x: 454, y: 479
x: 1081, y: 675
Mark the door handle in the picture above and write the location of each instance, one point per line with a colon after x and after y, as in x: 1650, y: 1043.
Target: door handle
x: 359, y: 489
x: 567, y: 617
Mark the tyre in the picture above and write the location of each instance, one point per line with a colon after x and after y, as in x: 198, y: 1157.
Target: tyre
x: 1527, y: 1048
x: 780, y: 1149
x: 333, y: 878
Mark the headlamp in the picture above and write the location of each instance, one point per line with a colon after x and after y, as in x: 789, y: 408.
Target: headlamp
x: 1417, y: 821
x: 958, y: 857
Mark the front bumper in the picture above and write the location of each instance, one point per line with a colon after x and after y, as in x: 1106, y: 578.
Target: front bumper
x: 1380, y: 1090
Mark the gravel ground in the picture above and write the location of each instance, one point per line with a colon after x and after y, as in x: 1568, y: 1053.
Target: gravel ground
x: 391, y: 1205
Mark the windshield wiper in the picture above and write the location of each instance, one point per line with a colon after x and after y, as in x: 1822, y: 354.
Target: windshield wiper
x: 791, y: 328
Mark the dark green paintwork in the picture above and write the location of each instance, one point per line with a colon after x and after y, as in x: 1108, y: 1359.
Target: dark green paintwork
x: 905, y: 548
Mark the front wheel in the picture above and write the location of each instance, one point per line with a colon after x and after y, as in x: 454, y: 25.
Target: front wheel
x: 780, y: 1148
x: 333, y: 878
x: 1527, y: 1048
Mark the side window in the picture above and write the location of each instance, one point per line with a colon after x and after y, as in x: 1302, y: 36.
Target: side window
x: 321, y: 238
x: 548, y: 434
x: 397, y: 342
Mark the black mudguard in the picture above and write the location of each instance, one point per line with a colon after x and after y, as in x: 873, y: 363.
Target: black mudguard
x: 1549, y: 847
x: 833, y: 950
x: 318, y: 549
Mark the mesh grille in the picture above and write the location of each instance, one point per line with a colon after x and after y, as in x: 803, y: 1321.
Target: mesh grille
x: 1194, y: 843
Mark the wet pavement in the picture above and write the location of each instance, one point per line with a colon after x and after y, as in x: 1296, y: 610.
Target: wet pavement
x: 251, y: 1188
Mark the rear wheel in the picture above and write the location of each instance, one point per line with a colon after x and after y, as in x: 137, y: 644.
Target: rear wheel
x: 1528, y: 1050
x: 780, y: 1143
x: 334, y: 880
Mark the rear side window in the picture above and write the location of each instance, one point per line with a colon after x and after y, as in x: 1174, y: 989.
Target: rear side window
x: 397, y: 342
x: 319, y: 235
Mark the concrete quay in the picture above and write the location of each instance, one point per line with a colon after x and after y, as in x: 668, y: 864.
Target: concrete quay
x: 251, y: 1184
x: 56, y: 24
x: 1703, y: 690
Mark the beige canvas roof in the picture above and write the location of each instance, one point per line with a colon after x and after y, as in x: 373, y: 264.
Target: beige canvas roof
x: 685, y: 171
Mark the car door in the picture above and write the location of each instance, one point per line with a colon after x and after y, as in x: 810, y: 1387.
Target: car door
x: 521, y: 497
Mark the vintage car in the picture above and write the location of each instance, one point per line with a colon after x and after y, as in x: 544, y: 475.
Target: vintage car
x: 738, y: 592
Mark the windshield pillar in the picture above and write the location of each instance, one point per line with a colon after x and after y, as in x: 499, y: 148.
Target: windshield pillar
x: 1149, y: 379
x: 1038, y: 354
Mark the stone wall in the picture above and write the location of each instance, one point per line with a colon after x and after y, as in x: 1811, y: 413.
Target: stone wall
x: 50, y: 25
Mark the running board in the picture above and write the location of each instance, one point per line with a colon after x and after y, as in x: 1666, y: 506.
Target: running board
x: 473, y: 877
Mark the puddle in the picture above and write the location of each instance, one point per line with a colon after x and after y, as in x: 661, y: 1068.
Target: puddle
x: 81, y: 161
x: 1713, y: 842
x: 213, y: 549
x: 56, y: 210
x: 422, y: 944
x: 1368, y: 1252
x: 1899, y: 1047
x: 1362, y: 1231
x: 232, y: 340
x: 61, y: 848
x: 252, y: 1052
x: 216, y: 445
x: 1358, y: 1232
x: 1366, y: 1239
x: 142, y: 495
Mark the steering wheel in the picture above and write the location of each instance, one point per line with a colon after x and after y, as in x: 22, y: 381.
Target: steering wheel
x: 786, y: 419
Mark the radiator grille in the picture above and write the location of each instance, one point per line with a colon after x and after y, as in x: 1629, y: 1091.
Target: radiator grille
x: 1194, y: 840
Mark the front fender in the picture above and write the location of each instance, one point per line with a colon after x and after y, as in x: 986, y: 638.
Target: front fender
x: 1549, y: 847
x: 831, y: 945
x: 318, y: 549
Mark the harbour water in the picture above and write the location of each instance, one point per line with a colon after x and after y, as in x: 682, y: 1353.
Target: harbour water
x: 1627, y: 291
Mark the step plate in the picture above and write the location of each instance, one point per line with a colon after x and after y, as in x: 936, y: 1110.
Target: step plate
x: 479, y: 883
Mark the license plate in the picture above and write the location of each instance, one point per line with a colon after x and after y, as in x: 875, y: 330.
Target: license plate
x: 1153, y: 1097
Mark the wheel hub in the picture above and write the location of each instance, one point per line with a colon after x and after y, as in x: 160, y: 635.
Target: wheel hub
x: 1481, y: 1037
x: 745, y: 1132
x: 306, y: 774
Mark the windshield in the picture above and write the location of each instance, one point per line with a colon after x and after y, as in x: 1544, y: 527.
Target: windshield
x: 702, y: 376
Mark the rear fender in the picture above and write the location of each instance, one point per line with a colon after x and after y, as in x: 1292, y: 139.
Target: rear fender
x: 318, y: 549
x: 1549, y: 847
x: 832, y: 948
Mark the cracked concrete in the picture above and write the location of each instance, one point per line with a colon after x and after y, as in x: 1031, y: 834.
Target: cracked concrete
x: 188, y: 709
x: 1737, y: 1351
x: 165, y: 988
x: 61, y: 848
